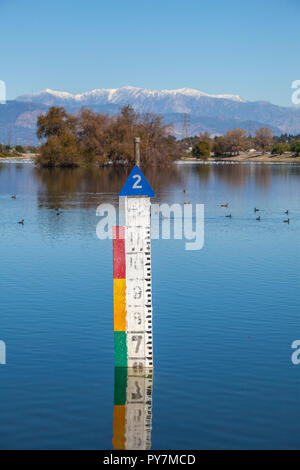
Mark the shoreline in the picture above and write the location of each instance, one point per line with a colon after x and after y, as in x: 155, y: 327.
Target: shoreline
x: 24, y: 156
x: 265, y: 158
x: 242, y: 158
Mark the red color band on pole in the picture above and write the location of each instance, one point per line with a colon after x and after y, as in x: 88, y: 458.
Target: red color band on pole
x: 119, y: 264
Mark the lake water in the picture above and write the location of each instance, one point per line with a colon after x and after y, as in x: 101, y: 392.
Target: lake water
x: 224, y: 316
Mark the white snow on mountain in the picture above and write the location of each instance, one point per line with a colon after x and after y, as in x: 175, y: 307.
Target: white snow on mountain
x: 210, y: 113
x: 139, y: 97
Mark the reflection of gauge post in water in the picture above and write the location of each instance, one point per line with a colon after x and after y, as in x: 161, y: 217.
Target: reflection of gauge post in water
x: 132, y: 275
x: 132, y: 421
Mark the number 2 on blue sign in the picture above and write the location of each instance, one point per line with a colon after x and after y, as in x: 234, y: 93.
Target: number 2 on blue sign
x: 136, y: 184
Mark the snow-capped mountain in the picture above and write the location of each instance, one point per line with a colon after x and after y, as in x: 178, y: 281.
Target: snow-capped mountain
x: 184, y: 100
x: 214, y: 114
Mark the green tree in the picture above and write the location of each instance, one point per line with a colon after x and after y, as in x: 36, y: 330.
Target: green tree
x: 19, y: 149
x: 279, y: 148
x: 55, y: 123
x: 59, y: 150
x: 295, y: 147
x: 201, y: 150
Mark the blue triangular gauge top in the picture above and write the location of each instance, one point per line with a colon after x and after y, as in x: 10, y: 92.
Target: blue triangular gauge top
x: 137, y: 185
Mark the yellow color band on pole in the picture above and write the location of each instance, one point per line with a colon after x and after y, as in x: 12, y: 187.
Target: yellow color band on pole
x: 120, y: 304
x: 119, y: 427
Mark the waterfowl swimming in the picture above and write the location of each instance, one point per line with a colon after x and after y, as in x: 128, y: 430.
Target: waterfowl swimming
x: 224, y: 205
x: 228, y: 215
x: 14, y: 196
x: 21, y: 222
x: 287, y: 221
x: 184, y: 190
x: 255, y: 209
x: 286, y: 212
x: 258, y: 218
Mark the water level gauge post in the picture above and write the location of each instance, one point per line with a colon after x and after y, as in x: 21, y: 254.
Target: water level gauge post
x: 133, y: 336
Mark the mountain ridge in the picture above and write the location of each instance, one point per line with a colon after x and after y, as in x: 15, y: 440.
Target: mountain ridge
x: 116, y: 94
x: 214, y: 114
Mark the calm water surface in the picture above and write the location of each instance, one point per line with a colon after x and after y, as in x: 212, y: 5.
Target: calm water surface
x: 224, y: 316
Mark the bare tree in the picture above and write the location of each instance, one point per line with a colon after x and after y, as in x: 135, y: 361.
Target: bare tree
x: 233, y: 142
x: 95, y: 137
x: 237, y: 140
x: 205, y: 137
x: 263, y: 139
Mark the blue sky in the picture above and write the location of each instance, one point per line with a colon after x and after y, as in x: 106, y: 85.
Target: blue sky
x: 250, y: 48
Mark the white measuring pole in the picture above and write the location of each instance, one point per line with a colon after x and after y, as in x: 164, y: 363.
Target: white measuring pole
x: 133, y: 301
x: 138, y: 281
x: 133, y: 314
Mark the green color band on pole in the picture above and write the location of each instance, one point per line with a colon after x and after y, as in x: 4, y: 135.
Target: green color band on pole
x: 120, y: 385
x: 120, y: 349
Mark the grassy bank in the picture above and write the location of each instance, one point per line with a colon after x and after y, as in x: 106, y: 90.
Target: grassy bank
x: 246, y: 157
x: 19, y: 156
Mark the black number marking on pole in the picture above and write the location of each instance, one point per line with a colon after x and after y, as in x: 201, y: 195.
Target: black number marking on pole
x: 137, y: 395
x: 137, y: 292
x: 138, y: 339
